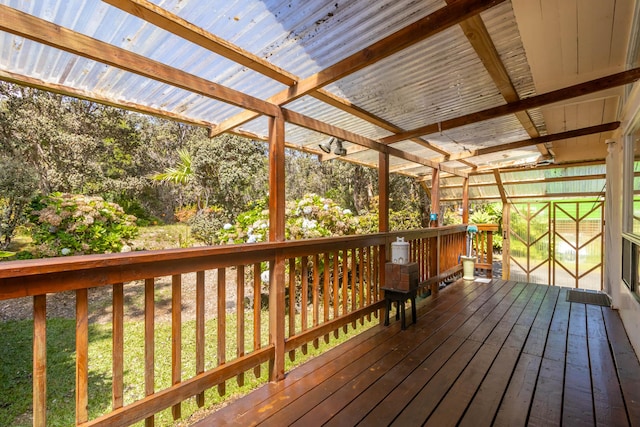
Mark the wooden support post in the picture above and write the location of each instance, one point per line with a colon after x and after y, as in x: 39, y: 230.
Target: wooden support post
x: 465, y: 201
x: 149, y: 343
x: 506, y: 247
x: 40, y: 360
x: 176, y: 338
x: 434, y: 244
x: 383, y: 216
x: 435, y: 197
x: 277, y: 234
x: 82, y: 356
x: 117, y: 348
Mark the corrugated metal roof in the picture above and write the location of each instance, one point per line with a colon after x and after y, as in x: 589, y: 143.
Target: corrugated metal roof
x: 433, y: 80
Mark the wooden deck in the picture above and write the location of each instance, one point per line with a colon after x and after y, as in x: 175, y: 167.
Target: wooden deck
x: 503, y: 353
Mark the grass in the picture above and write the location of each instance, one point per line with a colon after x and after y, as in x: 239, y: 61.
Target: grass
x: 16, y: 359
x: 16, y: 354
x: 152, y: 237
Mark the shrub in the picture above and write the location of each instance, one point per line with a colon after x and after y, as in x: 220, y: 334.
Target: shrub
x: 206, y: 224
x: 185, y: 213
x: 17, y: 186
x: 72, y: 224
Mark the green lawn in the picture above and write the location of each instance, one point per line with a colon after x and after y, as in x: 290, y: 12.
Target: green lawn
x: 16, y: 360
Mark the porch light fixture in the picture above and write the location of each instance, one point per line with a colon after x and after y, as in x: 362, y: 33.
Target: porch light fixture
x: 339, y: 151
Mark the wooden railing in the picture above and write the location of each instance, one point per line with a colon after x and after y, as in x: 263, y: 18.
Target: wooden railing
x: 314, y: 288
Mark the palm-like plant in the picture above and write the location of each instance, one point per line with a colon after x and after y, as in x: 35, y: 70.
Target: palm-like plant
x: 182, y: 173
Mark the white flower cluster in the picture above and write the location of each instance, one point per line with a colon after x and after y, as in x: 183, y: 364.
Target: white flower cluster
x: 309, y: 224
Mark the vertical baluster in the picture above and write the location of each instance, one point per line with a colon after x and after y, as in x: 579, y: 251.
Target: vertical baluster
x: 369, y: 275
x: 117, y: 385
x: 490, y: 253
x: 305, y: 298
x: 149, y: 342
x: 82, y: 356
x: 345, y: 287
x: 335, y: 293
x: 257, y: 301
x: 222, y: 324
x: 433, y: 263
x: 176, y: 338
x: 200, y: 296
x: 292, y: 303
x: 316, y: 298
x: 326, y: 290
x: 371, y: 285
x: 376, y: 274
x: 240, y: 317
x: 363, y: 275
x: 40, y: 361
x: 354, y: 253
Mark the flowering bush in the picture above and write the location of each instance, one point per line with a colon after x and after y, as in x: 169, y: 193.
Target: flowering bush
x: 72, y: 224
x: 315, y: 216
x: 312, y: 216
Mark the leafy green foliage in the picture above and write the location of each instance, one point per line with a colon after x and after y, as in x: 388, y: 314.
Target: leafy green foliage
x: 17, y: 187
x: 68, y: 224
x: 182, y: 173
x: 310, y: 217
x: 206, y: 223
x: 490, y: 214
x: 481, y: 217
x: 229, y: 171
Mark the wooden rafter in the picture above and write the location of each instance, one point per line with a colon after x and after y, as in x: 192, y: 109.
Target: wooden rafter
x: 318, y: 126
x: 606, y: 127
x: 426, y: 27
x: 551, y: 166
x: 586, y: 88
x: 24, y: 25
x: 532, y: 181
x: 174, y: 24
x: 503, y: 194
x: 161, y: 18
x: 477, y: 34
x: 529, y: 196
x: 127, y: 105
x: 350, y: 108
x: 45, y: 32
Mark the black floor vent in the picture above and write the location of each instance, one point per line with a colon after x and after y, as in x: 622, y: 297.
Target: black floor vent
x: 586, y: 297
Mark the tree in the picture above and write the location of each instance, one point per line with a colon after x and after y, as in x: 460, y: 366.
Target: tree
x: 17, y: 186
x: 230, y: 171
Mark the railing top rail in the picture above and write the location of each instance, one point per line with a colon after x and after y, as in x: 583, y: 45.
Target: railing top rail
x: 488, y: 227
x: 34, y: 277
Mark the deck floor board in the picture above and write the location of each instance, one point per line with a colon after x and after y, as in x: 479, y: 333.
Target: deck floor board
x: 502, y: 353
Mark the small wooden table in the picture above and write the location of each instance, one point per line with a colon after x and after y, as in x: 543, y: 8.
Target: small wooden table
x: 400, y: 297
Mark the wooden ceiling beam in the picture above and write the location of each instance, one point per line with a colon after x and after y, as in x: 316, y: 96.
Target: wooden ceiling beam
x: 529, y: 196
x: 532, y: 181
x: 172, y: 23
x: 24, y: 25
x: 327, y: 129
x: 478, y: 35
x: 606, y: 127
x: 523, y: 168
x: 132, y: 106
x: 592, y: 86
x: 503, y: 194
x: 350, y: 108
x: 422, y: 29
